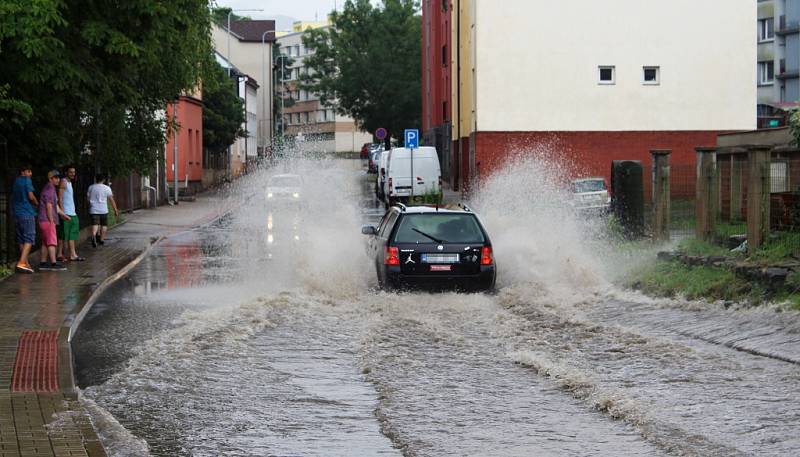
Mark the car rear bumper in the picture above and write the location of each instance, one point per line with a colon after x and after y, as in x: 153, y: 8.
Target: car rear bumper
x: 482, y: 281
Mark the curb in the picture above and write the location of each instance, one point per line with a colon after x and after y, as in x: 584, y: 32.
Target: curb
x: 107, y: 283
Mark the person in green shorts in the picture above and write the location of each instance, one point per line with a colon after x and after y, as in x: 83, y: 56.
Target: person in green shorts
x: 69, y: 230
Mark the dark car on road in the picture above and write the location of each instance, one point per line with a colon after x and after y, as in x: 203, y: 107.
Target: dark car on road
x: 431, y: 247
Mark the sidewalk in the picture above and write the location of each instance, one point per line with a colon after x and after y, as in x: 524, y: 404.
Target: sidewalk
x: 40, y: 414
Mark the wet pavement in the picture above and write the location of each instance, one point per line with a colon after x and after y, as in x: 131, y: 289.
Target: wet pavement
x: 257, y: 336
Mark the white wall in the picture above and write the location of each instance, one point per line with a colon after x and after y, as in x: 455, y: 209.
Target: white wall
x: 537, y: 68
x: 249, y: 57
x: 351, y: 141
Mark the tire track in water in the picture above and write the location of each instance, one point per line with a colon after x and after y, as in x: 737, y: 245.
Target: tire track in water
x: 446, y: 386
x: 697, y: 400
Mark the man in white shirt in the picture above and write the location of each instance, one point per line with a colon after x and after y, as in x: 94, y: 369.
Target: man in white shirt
x: 99, y: 194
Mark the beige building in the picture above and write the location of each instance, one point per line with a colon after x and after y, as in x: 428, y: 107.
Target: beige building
x: 308, y: 120
x: 639, y: 75
x: 248, y: 47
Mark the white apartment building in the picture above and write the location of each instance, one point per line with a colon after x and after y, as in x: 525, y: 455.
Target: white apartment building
x: 308, y: 120
x: 592, y: 81
x: 248, y: 47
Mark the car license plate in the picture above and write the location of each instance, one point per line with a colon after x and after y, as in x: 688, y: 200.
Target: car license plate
x: 439, y: 258
x: 440, y: 267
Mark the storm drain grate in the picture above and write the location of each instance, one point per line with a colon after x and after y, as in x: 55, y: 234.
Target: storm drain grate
x: 36, y: 366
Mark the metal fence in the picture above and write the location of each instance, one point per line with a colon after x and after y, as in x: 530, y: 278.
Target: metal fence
x: 127, y: 194
x: 683, y: 184
x: 770, y: 181
x: 682, y: 219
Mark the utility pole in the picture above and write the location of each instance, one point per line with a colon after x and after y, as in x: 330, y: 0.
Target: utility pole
x: 264, y: 91
x: 247, y: 131
x: 175, y: 148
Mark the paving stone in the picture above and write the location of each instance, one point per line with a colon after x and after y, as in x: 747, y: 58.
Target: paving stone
x: 47, y: 424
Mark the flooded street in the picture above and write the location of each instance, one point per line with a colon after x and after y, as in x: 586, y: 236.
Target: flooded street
x: 263, y: 334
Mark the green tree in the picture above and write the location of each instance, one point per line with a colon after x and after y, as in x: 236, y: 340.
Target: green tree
x: 223, y: 112
x: 367, y: 64
x: 219, y: 15
x: 90, y: 78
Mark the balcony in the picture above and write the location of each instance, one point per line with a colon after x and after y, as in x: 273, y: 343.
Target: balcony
x: 787, y: 27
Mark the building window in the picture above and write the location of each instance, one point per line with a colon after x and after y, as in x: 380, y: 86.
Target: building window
x: 306, y: 117
x: 766, y: 72
x: 297, y: 49
x: 766, y: 29
x: 607, y: 75
x: 651, y: 76
x: 445, y: 5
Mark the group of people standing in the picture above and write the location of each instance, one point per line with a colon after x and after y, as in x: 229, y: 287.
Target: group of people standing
x: 54, y: 214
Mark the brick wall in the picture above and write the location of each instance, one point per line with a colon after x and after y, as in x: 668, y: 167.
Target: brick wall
x: 588, y: 153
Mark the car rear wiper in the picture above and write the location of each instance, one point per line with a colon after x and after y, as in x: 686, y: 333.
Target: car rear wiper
x: 427, y: 236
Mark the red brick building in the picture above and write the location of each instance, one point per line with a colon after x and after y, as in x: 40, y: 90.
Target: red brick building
x: 437, y: 81
x: 190, y: 143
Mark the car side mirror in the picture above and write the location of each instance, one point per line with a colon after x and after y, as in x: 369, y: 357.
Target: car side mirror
x: 368, y: 230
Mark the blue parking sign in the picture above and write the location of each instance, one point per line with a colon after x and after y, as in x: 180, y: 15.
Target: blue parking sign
x: 412, y: 138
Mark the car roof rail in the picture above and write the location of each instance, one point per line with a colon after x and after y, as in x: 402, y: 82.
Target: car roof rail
x: 465, y: 207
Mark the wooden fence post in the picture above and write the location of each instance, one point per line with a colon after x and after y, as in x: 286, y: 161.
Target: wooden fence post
x: 707, y: 193
x: 661, y: 193
x: 758, y: 189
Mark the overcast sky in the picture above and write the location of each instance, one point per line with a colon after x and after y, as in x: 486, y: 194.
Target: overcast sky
x: 303, y: 10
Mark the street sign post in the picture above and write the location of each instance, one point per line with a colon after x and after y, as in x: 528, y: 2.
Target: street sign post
x: 411, y: 139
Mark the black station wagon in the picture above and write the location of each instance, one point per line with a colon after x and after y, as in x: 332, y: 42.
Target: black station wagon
x: 431, y: 247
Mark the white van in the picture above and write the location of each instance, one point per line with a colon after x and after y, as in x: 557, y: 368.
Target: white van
x: 412, y: 173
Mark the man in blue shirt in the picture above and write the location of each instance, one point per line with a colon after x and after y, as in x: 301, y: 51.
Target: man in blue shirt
x: 23, y: 204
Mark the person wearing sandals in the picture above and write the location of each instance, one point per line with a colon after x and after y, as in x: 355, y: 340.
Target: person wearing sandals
x: 69, y: 229
x: 24, y: 203
x: 49, y: 210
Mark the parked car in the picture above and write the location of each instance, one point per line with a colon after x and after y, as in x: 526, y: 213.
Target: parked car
x: 365, y: 151
x: 408, y: 175
x: 372, y: 162
x: 591, y: 194
x: 431, y: 247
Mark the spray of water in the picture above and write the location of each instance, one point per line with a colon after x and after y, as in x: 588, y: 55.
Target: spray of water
x: 542, y: 244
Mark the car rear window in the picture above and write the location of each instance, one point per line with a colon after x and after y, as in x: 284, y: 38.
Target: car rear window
x: 447, y: 227
x: 590, y: 186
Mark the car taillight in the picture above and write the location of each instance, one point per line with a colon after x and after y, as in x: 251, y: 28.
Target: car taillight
x: 392, y: 256
x: 486, y: 256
